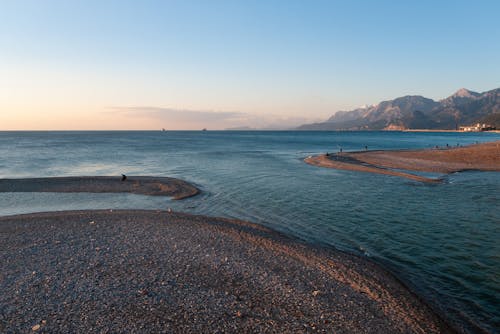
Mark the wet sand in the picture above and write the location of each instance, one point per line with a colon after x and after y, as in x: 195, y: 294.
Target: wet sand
x: 154, y: 271
x: 143, y: 185
x: 480, y: 157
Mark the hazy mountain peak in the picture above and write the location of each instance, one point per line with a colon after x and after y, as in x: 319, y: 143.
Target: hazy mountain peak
x: 464, y: 92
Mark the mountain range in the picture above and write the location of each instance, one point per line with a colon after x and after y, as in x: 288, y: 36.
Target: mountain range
x: 463, y: 108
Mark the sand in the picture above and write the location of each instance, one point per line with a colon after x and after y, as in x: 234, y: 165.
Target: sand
x: 154, y: 271
x: 144, y: 185
x: 480, y: 157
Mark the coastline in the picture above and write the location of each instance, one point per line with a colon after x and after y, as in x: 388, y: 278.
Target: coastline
x: 479, y: 157
x: 142, y: 185
x: 189, y: 273
x: 458, y: 131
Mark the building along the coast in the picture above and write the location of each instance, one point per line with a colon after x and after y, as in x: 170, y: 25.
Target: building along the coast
x: 477, y: 127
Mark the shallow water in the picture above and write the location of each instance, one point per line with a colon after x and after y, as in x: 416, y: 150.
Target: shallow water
x: 441, y: 239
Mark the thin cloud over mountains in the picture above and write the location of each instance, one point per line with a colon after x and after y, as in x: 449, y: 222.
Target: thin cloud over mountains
x: 195, y: 119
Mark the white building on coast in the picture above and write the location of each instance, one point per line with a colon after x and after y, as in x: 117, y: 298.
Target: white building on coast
x: 477, y: 127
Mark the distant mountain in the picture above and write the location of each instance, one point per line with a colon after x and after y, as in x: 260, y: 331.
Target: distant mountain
x: 465, y: 107
x: 461, y: 96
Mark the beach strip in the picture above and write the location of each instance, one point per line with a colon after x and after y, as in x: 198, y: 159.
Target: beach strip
x: 143, y: 185
x: 479, y: 157
x: 157, y: 271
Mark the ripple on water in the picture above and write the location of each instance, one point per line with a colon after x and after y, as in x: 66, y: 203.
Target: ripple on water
x: 440, y: 238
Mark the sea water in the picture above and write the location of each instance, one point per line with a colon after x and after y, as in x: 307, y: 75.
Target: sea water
x: 440, y: 239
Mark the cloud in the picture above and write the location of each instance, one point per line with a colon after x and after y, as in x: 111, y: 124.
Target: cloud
x: 194, y: 119
x: 171, y: 114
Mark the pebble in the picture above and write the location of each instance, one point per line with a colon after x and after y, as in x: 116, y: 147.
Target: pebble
x: 157, y: 278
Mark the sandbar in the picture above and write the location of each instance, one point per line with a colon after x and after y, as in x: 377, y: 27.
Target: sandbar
x: 143, y: 185
x: 479, y: 157
x: 139, y: 271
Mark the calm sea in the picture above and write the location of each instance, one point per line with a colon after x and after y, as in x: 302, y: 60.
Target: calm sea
x: 442, y: 240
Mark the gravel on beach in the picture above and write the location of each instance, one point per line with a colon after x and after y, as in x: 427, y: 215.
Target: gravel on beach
x: 133, y: 271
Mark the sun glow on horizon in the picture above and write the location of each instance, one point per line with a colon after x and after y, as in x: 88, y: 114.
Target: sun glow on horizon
x: 66, y: 65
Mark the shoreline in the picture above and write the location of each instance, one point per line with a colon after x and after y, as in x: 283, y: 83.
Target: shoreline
x: 142, y: 185
x: 478, y: 157
x: 266, y: 280
x: 456, y: 131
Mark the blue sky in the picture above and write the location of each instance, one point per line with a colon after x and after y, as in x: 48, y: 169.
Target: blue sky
x: 79, y: 64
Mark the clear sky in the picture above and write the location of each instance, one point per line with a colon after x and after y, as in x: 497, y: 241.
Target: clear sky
x: 191, y: 64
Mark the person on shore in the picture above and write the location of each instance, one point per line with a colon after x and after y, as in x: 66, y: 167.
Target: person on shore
x: 124, y: 177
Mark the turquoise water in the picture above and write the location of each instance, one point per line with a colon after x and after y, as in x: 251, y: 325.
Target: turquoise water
x: 442, y: 240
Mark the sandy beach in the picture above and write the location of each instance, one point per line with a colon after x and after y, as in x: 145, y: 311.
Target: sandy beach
x: 143, y: 185
x: 154, y: 271
x: 479, y: 157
